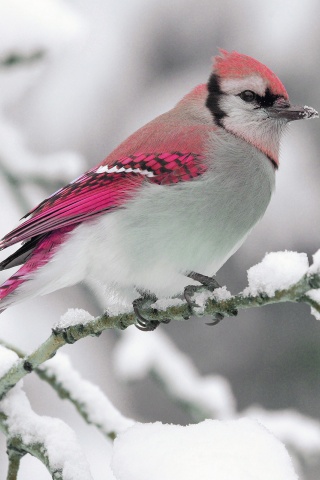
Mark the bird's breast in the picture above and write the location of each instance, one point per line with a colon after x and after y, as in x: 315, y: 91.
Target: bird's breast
x: 196, y: 225
x: 167, y: 230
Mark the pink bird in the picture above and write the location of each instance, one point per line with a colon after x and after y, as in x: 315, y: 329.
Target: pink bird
x: 178, y: 196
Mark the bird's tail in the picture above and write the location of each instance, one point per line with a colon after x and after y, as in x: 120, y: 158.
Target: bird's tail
x: 8, y: 288
x: 32, y: 255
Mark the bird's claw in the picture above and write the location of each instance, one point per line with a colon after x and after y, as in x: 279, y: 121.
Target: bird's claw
x: 189, y: 291
x: 218, y: 317
x: 142, y: 323
x: 207, y: 283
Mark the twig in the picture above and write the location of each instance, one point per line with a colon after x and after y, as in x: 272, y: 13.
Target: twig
x: 15, y: 59
x: 21, y: 448
x: 48, y: 439
x: 14, y: 457
x: 71, y: 334
x: 67, y: 394
x: 57, y: 339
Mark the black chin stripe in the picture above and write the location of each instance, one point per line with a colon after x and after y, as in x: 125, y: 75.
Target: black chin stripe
x: 213, y: 99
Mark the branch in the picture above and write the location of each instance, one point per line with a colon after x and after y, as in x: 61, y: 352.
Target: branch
x: 92, y: 404
x: 59, y: 338
x: 14, y: 457
x: 45, y: 446
x: 48, y: 439
x: 201, y: 396
x: 89, y: 400
x: 20, y: 448
x: 15, y: 59
x: 71, y: 334
x: 297, y: 293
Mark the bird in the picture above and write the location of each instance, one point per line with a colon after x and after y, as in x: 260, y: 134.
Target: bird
x: 177, y: 197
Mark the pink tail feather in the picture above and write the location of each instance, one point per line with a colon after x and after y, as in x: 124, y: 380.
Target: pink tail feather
x: 40, y: 256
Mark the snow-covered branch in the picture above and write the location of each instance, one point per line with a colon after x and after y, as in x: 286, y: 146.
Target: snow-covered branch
x: 92, y: 404
x: 48, y: 439
x: 292, y: 280
x: 137, y: 356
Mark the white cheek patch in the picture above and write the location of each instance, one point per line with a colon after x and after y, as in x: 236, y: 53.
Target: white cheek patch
x: 116, y: 169
x: 235, y: 107
x: 235, y: 86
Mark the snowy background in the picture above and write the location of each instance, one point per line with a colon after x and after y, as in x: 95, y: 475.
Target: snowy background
x: 78, y: 76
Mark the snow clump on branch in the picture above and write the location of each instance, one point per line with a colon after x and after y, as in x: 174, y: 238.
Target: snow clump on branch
x: 277, y: 271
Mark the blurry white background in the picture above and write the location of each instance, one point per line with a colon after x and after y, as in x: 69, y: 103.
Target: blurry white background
x: 76, y: 78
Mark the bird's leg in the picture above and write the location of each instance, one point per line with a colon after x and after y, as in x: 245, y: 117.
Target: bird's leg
x: 207, y: 283
x: 141, y: 303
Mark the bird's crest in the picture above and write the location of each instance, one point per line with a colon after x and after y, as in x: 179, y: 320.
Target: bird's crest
x: 237, y: 65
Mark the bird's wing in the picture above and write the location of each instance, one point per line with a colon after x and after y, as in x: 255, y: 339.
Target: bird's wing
x: 105, y: 188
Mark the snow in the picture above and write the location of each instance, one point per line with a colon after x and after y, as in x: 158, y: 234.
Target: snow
x: 309, y: 113
x: 315, y: 295
x: 138, y: 354
x: 41, y: 24
x: 297, y: 431
x: 97, y: 407
x: 115, y: 307
x: 315, y: 267
x: 59, y: 441
x: 201, y: 298
x: 164, y: 303
x: 74, y: 316
x: 221, y: 294
x: 20, y: 161
x: 277, y: 271
x: 38, y: 30
x: 7, y: 359
x: 211, y: 450
x: 315, y: 313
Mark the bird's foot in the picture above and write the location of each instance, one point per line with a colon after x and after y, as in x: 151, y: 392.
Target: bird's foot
x: 142, y: 303
x: 207, y: 284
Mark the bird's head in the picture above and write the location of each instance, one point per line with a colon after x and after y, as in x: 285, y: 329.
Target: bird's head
x: 248, y: 100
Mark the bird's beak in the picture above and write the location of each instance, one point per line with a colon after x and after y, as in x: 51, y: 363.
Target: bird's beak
x: 283, y: 109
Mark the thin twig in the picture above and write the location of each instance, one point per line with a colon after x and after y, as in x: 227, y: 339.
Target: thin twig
x: 62, y: 391
x: 14, y: 457
x: 16, y: 59
x: 57, y: 339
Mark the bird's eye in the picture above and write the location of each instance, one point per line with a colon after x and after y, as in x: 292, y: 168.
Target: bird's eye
x: 248, y: 96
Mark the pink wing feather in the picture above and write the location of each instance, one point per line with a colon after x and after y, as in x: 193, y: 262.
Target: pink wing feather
x: 104, y: 188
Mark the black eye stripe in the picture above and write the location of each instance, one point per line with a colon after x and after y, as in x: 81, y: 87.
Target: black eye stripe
x: 267, y: 100
x: 215, y: 94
